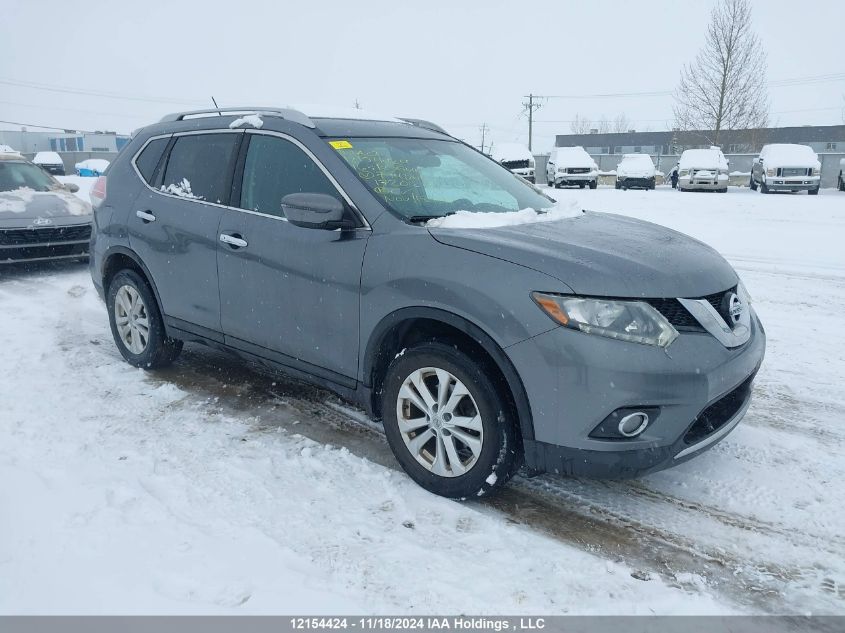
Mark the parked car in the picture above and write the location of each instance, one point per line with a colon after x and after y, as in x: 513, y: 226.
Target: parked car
x: 786, y: 167
x: 40, y: 218
x: 571, y: 166
x: 841, y: 181
x: 92, y: 167
x: 635, y: 171
x: 50, y: 162
x: 515, y: 157
x: 703, y: 170
x: 336, y: 250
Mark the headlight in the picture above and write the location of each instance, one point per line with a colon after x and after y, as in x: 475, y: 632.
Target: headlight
x: 817, y: 171
x: 683, y: 172
x: 770, y: 172
x: 634, y: 321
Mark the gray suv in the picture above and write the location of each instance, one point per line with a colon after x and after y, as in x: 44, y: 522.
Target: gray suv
x: 596, y: 345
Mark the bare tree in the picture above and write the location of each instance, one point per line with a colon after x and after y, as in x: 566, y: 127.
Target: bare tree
x: 621, y: 123
x: 725, y: 88
x: 603, y: 125
x: 580, y: 125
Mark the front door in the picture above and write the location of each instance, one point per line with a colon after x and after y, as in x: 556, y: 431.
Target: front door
x: 173, y: 227
x: 288, y: 293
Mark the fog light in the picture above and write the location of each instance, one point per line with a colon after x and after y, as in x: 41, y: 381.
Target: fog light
x: 626, y: 423
x: 633, y: 424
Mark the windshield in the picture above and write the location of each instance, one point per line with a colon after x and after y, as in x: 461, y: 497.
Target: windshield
x: 14, y: 175
x: 420, y: 179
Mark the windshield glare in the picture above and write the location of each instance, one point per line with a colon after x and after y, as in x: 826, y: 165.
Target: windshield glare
x: 14, y: 175
x: 420, y: 178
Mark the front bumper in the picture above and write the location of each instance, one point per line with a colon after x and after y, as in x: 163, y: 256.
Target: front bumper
x: 704, y: 184
x: 574, y: 381
x: 561, y: 178
x: 632, y: 182
x: 787, y: 183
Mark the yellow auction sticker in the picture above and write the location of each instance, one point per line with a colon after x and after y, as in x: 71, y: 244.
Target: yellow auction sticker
x: 341, y: 144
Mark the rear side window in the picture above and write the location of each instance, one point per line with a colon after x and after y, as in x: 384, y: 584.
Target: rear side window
x: 274, y: 168
x: 199, y: 166
x: 147, y: 160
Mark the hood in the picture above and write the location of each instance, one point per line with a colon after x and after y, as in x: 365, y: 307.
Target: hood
x: 24, y: 205
x: 602, y: 254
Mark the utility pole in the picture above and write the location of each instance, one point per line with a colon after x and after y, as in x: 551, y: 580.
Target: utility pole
x: 531, y: 106
x: 483, y: 129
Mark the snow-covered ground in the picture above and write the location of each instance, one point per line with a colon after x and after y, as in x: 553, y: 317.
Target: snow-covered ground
x: 213, y: 487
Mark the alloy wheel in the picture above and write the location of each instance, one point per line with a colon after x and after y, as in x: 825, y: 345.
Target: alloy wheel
x: 439, y: 422
x: 131, y: 319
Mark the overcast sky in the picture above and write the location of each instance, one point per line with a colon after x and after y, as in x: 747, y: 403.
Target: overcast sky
x: 457, y: 63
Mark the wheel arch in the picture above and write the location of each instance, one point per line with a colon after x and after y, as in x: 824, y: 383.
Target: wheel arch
x: 119, y: 258
x: 415, y: 324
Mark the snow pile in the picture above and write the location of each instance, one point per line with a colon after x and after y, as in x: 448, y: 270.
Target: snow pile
x: 703, y: 159
x: 572, y: 157
x: 56, y: 203
x: 7, y: 149
x: 248, y: 119
x: 510, y: 152
x: 789, y: 155
x: 183, y: 190
x: 481, y: 220
x: 47, y: 158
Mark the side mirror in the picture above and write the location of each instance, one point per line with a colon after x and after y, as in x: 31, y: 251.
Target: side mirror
x: 73, y: 188
x: 316, y: 211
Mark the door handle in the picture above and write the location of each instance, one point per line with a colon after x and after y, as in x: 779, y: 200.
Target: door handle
x: 235, y: 240
x: 146, y: 216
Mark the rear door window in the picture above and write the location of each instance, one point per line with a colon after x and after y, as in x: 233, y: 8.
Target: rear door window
x: 199, y: 167
x: 148, y: 159
x: 274, y: 168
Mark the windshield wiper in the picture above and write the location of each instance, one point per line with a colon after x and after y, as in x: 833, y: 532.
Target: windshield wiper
x: 425, y: 218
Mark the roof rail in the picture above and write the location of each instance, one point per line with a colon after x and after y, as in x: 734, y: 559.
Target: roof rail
x: 288, y: 114
x: 426, y: 125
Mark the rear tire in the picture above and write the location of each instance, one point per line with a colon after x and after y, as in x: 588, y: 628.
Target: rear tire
x: 461, y: 444
x: 136, y: 323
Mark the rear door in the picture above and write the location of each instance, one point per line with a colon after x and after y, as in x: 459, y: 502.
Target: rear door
x: 173, y: 227
x: 288, y: 293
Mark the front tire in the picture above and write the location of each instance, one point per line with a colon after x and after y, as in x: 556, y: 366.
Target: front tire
x: 813, y: 192
x: 136, y: 323
x: 448, y: 424
x: 764, y: 188
x: 594, y: 184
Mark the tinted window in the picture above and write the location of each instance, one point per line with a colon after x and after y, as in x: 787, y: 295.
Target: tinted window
x: 148, y: 159
x: 274, y: 168
x: 198, y: 167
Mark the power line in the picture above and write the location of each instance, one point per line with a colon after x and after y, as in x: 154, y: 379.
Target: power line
x: 96, y: 93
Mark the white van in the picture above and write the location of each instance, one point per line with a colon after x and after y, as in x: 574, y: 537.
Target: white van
x: 703, y: 170
x: 571, y: 166
x: 515, y: 157
x: 786, y: 167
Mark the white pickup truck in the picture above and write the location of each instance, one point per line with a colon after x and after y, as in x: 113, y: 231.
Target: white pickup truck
x: 786, y: 167
x: 571, y: 166
x: 515, y: 157
x: 703, y: 170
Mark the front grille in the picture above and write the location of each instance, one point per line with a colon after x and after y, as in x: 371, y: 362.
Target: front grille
x: 794, y: 171
x: 679, y: 316
x: 578, y: 170
x: 515, y: 164
x: 51, y: 235
x: 719, y: 413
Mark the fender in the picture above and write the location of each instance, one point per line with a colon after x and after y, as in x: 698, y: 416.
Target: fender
x: 469, y: 328
x: 123, y: 250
